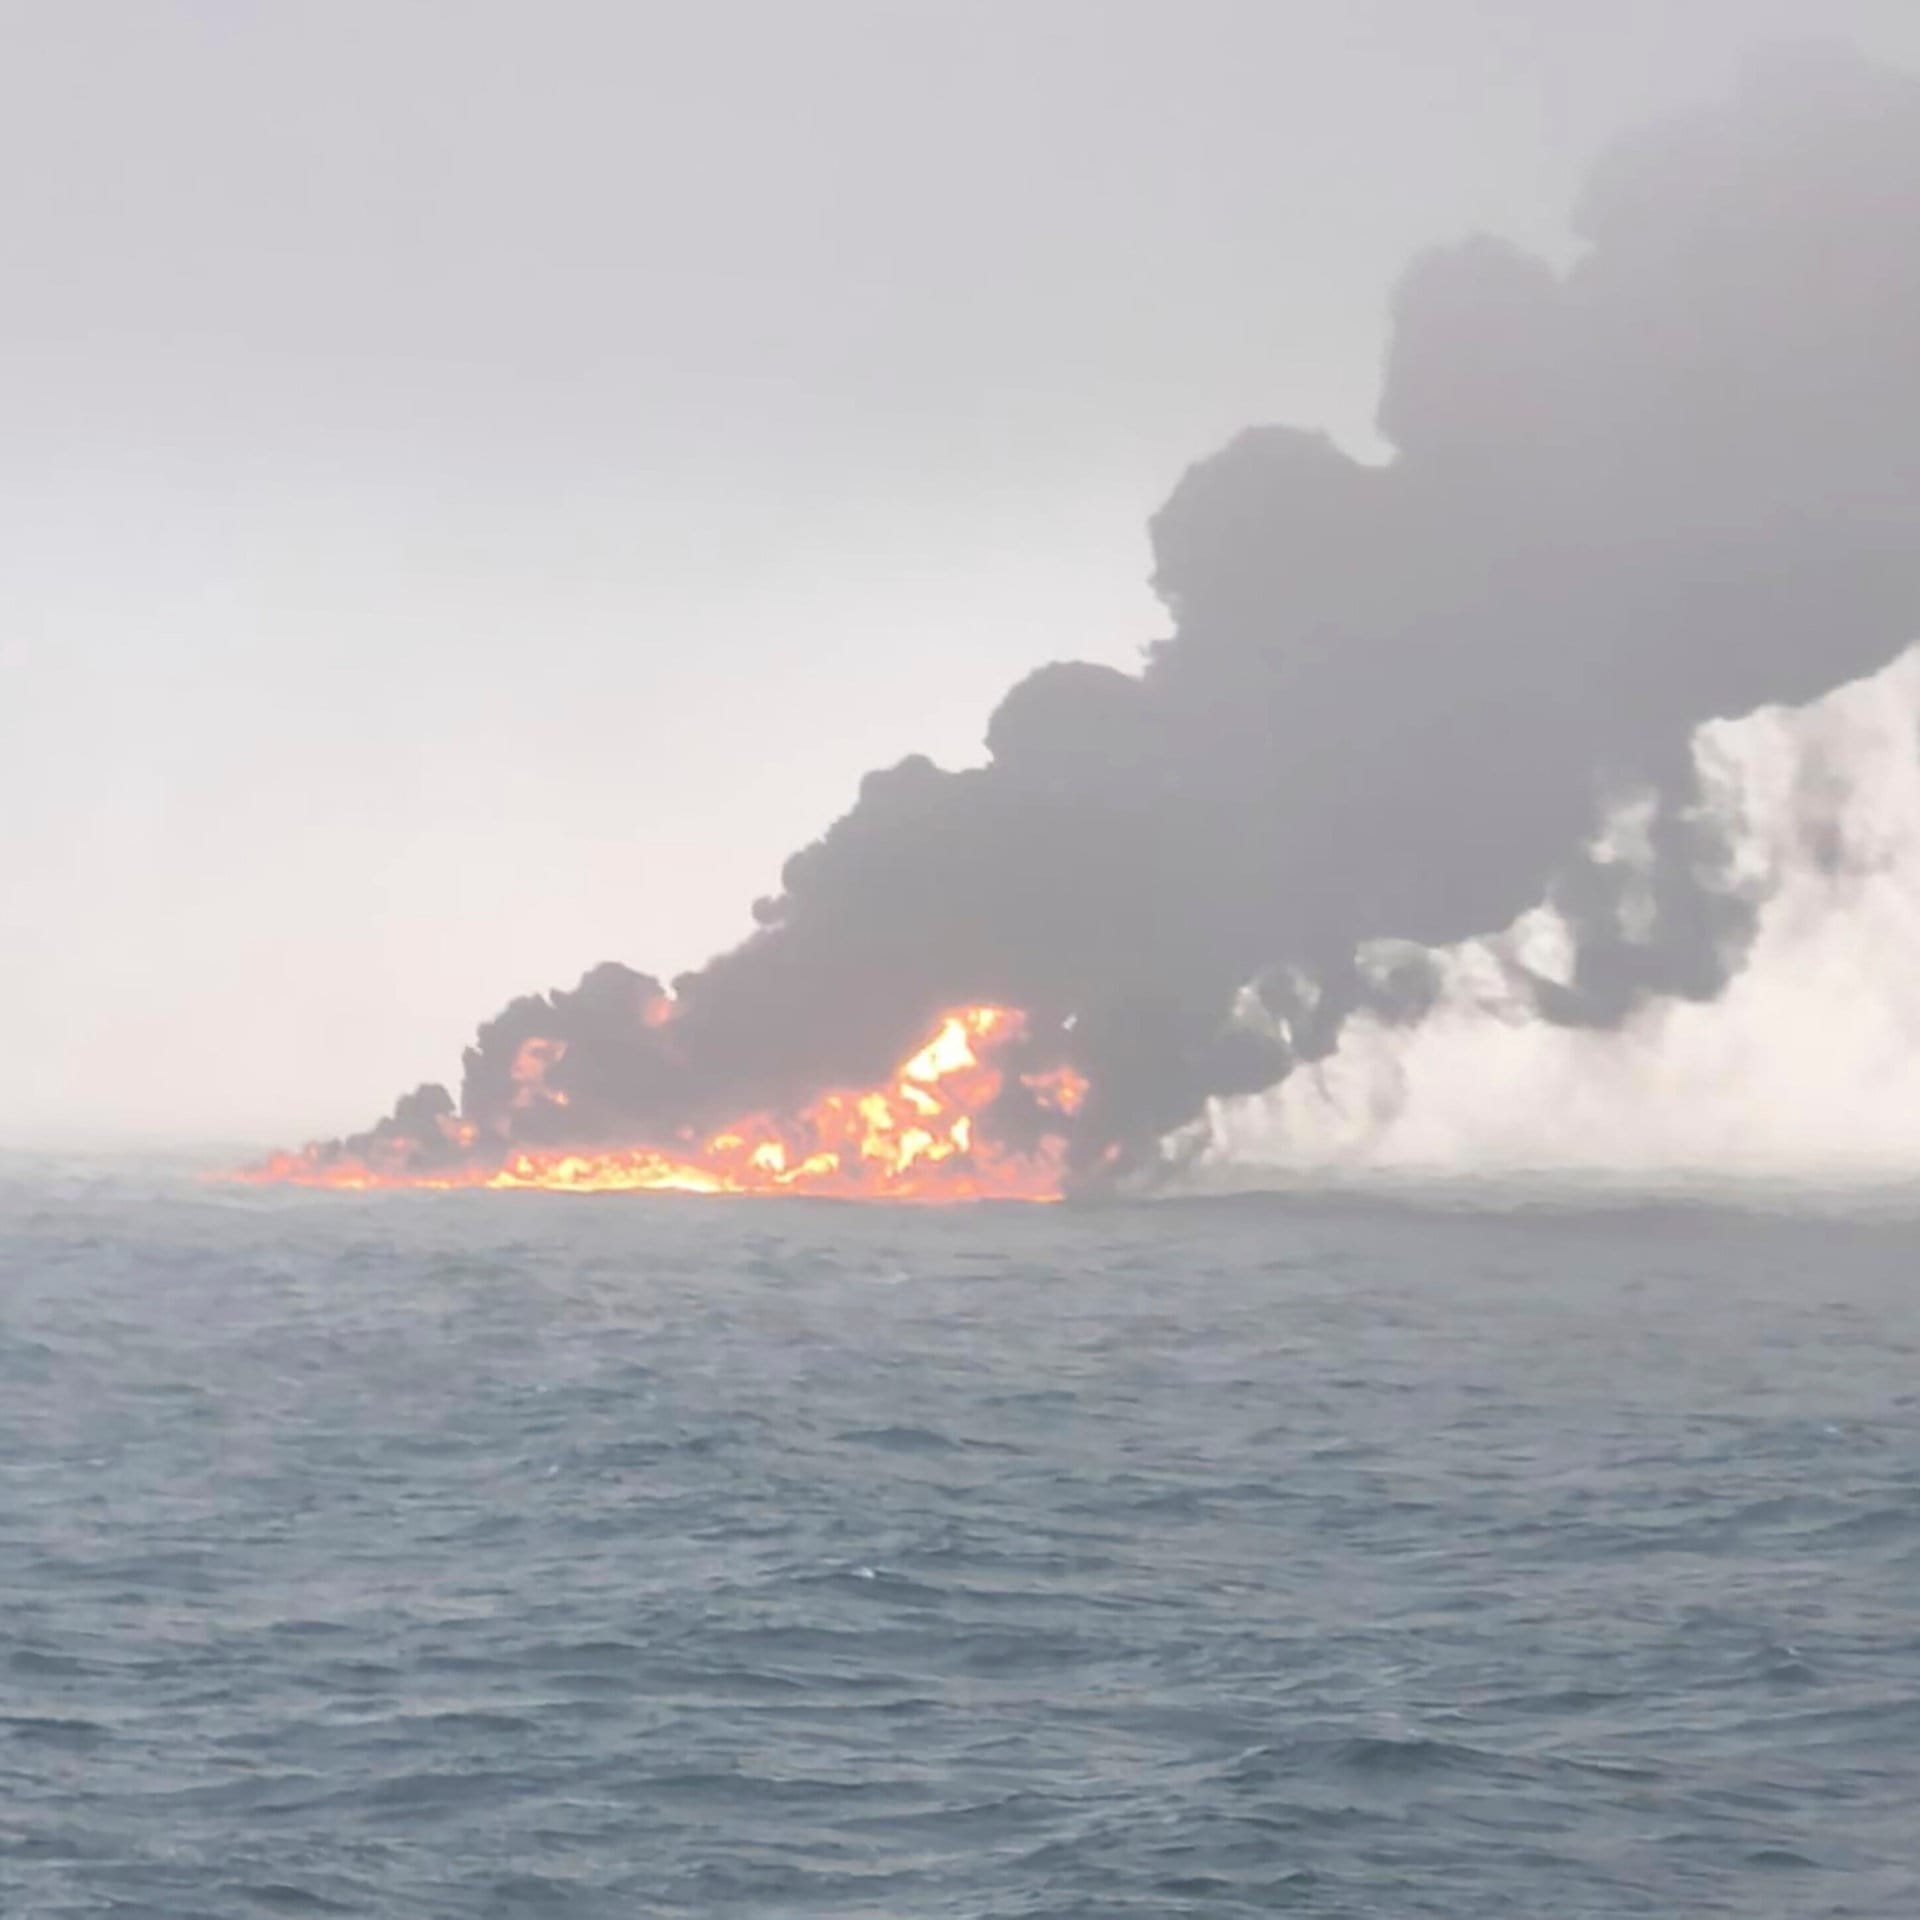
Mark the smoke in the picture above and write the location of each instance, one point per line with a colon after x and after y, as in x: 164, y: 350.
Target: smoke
x: 1675, y: 483
x: 1805, y: 1067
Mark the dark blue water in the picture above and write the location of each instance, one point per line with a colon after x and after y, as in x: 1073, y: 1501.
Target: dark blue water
x: 503, y: 1555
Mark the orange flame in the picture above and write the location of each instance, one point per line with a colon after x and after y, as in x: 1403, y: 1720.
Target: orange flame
x: 918, y: 1138
x: 529, y: 1072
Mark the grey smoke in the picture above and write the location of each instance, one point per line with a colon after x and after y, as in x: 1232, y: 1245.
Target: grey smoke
x: 1799, y: 1074
x: 1675, y: 482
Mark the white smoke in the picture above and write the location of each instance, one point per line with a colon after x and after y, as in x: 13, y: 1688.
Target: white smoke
x: 1807, y: 1067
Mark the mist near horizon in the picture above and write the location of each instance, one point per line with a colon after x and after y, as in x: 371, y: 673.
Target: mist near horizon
x: 394, y: 490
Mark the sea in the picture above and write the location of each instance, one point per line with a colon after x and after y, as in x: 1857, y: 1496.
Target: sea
x: 1412, y: 1551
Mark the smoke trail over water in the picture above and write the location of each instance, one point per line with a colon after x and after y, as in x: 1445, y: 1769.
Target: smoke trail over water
x: 1673, y: 485
x: 1807, y: 1066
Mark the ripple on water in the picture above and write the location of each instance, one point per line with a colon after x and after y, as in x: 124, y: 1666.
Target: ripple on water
x: 430, y: 1561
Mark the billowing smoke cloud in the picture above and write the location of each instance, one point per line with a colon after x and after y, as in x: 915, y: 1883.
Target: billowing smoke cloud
x: 1677, y: 482
x: 1804, y: 1068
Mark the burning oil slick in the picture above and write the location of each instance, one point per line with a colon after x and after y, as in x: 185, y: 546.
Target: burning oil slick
x: 1678, y: 481
x: 938, y: 1131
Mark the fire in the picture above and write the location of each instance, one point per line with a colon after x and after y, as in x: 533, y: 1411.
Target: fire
x: 920, y: 1137
x: 529, y: 1073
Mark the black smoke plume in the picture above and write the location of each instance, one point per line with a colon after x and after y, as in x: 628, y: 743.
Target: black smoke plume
x: 1677, y: 481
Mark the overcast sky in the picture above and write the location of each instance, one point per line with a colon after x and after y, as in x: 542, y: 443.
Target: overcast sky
x: 483, y: 479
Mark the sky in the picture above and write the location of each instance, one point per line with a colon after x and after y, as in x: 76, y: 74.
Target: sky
x: 484, y: 480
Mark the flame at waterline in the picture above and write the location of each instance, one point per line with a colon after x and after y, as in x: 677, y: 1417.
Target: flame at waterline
x: 925, y: 1135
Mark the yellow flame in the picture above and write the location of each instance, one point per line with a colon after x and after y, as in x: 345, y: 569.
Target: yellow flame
x: 915, y: 1138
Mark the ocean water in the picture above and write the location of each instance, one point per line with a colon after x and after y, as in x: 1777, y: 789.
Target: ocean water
x: 479, y: 1555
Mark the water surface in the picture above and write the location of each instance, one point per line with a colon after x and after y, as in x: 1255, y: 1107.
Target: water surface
x: 510, y: 1554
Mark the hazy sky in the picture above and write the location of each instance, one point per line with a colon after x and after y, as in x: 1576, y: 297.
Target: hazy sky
x: 483, y: 479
